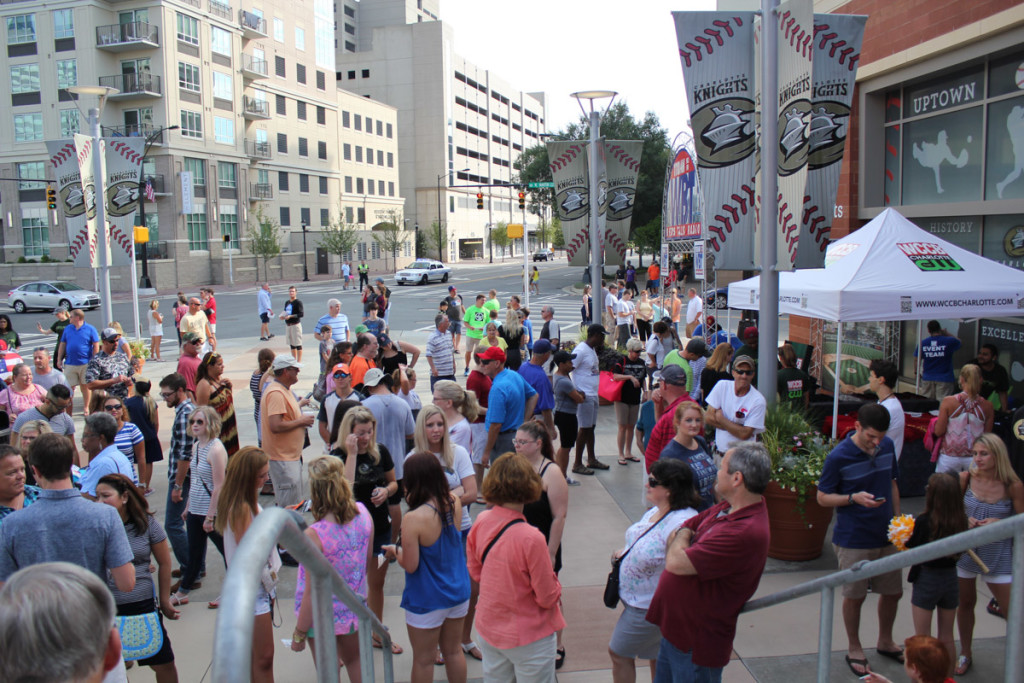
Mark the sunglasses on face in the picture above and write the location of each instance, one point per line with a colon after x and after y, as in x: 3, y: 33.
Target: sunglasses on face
x: 652, y: 482
x: 341, y: 375
x: 744, y: 372
x: 112, y: 408
x: 197, y: 422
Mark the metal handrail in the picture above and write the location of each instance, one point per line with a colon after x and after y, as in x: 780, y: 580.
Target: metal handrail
x: 232, y: 639
x: 1013, y: 527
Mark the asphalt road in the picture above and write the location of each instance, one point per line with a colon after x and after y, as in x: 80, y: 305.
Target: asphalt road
x: 414, y: 306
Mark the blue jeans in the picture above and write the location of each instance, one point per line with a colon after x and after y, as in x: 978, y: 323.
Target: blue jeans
x: 435, y: 380
x: 174, y: 525
x: 676, y: 666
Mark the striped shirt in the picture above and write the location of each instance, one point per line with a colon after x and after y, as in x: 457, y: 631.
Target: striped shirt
x: 439, y: 347
x: 126, y: 438
x: 338, y: 325
x: 202, y: 480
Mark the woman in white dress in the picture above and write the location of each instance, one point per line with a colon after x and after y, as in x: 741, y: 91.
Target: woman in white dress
x: 156, y: 330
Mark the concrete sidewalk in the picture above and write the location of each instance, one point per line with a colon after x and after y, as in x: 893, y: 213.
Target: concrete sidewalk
x: 776, y: 644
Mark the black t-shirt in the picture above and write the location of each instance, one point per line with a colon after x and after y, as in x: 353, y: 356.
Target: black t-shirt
x: 296, y: 314
x: 994, y: 380
x: 389, y: 365
x: 631, y: 394
x: 793, y: 384
x: 455, y: 310
x: 368, y: 477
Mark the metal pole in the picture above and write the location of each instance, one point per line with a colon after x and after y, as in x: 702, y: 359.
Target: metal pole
x: 106, y: 303
x: 828, y: 599
x: 768, y: 318
x: 596, y: 267
x: 231, y: 265
x: 305, y: 268
x: 1015, y: 627
x: 526, y: 263
x: 144, y: 283
x: 835, y: 384
x: 440, y: 251
x: 135, y: 296
x: 326, y: 653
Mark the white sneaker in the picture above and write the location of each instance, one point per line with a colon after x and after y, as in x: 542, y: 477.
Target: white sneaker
x: 572, y: 482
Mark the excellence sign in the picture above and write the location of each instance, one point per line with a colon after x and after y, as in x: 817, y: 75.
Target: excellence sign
x: 681, y: 211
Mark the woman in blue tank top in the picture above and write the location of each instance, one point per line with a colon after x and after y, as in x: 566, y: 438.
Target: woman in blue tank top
x: 436, y: 595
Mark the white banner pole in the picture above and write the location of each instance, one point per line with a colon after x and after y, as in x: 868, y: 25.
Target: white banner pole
x: 135, y: 294
x: 768, y: 312
x: 835, y: 384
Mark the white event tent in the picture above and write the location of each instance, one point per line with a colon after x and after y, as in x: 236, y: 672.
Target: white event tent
x: 890, y: 269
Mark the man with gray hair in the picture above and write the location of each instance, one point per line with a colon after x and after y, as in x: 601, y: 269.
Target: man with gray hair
x: 550, y: 329
x: 441, y: 351
x: 704, y: 585
x: 40, y: 642
x: 336, y: 320
x: 104, y: 457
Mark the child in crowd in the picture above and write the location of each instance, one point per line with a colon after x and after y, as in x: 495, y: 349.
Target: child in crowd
x: 326, y: 346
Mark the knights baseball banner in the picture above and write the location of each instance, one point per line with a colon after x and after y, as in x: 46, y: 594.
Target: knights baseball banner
x: 569, y: 172
x: 794, y: 52
x: 81, y: 236
x: 124, y: 170
x: 84, y: 154
x: 622, y: 161
x: 718, y: 67
x: 837, y: 40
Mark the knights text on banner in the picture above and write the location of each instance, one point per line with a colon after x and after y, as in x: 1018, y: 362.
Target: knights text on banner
x: 569, y: 171
x: 71, y: 199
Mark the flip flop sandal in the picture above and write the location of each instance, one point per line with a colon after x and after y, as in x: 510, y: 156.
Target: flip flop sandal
x: 438, y: 659
x: 623, y: 462
x: 596, y: 465
x: 559, y: 657
x: 963, y: 665
x: 178, y: 600
x: 892, y: 654
x: 396, y: 649
x: 581, y: 469
x: 633, y: 458
x: 863, y: 663
x: 994, y: 609
x: 472, y: 650
x: 213, y: 604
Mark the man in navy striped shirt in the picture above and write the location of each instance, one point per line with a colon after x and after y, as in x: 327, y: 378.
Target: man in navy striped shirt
x: 336, y: 320
x: 440, y: 352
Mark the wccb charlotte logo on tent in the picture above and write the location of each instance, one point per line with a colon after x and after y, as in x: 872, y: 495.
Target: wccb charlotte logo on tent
x: 928, y: 256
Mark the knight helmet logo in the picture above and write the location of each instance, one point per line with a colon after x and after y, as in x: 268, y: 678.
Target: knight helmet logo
x: 827, y: 134
x: 793, y: 126
x: 573, y: 203
x: 726, y: 132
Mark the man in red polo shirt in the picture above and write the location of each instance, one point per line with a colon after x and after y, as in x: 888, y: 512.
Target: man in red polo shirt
x: 671, y: 393
x: 712, y: 566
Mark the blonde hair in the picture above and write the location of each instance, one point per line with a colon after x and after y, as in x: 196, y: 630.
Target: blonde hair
x: 360, y: 416
x: 154, y: 304
x: 117, y: 326
x: 422, y: 445
x: 720, y: 358
x: 463, y: 400
x: 681, y: 410
x: 213, y: 421
x: 238, y: 501
x: 970, y: 375
x: 634, y: 344
x: 40, y: 427
x: 330, y: 491
x: 996, y: 446
x: 512, y: 323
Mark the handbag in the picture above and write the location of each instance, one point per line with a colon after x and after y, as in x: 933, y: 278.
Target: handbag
x: 609, y: 389
x: 269, y: 572
x: 611, y: 586
x: 142, y: 636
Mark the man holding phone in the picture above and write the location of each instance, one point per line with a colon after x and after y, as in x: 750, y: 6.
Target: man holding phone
x: 859, y: 479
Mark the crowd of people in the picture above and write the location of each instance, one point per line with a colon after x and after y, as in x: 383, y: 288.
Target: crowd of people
x: 483, y: 470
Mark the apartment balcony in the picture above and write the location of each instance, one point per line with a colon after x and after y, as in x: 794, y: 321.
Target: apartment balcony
x: 134, y: 86
x: 257, y: 150
x: 143, y: 130
x: 254, y: 67
x: 253, y: 25
x: 255, y: 109
x: 135, y: 35
x: 260, y: 191
x: 220, y: 9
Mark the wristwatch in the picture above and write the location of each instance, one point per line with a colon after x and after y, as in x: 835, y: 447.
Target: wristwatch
x: 849, y: 500
x: 176, y: 487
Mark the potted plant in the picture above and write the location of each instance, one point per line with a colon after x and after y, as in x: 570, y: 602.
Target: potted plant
x: 798, y: 524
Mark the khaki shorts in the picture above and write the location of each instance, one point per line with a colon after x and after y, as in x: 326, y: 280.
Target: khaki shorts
x: 626, y: 414
x: 293, y: 335
x: 471, y: 344
x: 287, y: 478
x: 883, y: 584
x: 75, y: 374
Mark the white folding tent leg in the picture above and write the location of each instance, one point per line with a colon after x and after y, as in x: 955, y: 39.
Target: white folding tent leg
x: 917, y: 375
x: 835, y: 388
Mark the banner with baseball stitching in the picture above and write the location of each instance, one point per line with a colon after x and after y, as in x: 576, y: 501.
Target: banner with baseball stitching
x: 71, y: 198
x: 794, y: 50
x: 84, y: 153
x: 718, y: 67
x: 837, y: 41
x: 622, y: 159
x: 124, y: 171
x: 567, y: 160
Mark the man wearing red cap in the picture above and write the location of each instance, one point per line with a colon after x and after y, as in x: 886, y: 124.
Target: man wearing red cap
x: 343, y: 391
x: 510, y: 401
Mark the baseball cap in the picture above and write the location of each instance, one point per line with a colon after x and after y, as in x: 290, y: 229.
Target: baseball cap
x: 110, y: 334
x: 751, y: 333
x: 697, y: 347
x: 378, y: 279
x: 362, y: 328
x: 451, y: 288
x: 384, y: 340
x: 711, y: 320
x: 373, y: 377
x: 596, y: 329
x: 188, y: 338
x: 743, y: 360
x: 60, y: 309
x: 493, y: 353
x: 341, y: 367
x: 542, y: 346
x: 282, y: 361
x: 673, y: 374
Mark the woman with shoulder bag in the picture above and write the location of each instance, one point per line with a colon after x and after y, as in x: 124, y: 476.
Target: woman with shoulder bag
x: 962, y: 418
x: 670, y: 488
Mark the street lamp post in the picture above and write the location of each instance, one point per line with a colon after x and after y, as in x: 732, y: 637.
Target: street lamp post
x: 144, y: 281
x: 102, y: 92
x: 440, y: 239
x: 596, y: 264
x: 305, y: 268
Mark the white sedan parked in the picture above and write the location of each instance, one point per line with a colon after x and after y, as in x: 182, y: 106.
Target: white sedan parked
x: 422, y: 271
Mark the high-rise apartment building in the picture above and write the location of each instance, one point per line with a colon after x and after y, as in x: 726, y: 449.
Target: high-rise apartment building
x: 237, y: 95
x: 460, y: 127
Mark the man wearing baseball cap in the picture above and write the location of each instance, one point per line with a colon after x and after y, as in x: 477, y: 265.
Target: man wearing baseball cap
x: 511, y: 400
x: 735, y: 408
x: 284, y: 430
x: 455, y: 312
x: 188, y: 361
x: 537, y: 377
x: 671, y: 392
x: 343, y: 391
x: 109, y: 369
x: 749, y: 348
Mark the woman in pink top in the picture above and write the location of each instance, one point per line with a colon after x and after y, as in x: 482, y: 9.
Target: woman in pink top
x: 22, y: 394
x: 518, y: 614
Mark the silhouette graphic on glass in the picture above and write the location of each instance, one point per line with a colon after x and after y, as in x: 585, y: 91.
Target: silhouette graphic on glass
x: 1015, y: 127
x: 932, y: 154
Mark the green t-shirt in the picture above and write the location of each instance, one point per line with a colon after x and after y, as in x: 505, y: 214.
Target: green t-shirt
x: 675, y: 358
x: 476, y: 317
x: 493, y: 305
x: 58, y: 328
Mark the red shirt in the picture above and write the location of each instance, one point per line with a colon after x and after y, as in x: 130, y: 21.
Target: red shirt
x: 698, y: 614
x: 663, y: 432
x: 480, y: 384
x: 187, y: 367
x: 210, y: 308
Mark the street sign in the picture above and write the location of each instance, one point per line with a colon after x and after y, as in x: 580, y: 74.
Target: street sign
x: 538, y: 186
x: 515, y: 230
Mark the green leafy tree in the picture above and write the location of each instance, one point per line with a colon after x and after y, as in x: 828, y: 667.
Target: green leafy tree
x: 421, y: 244
x: 437, y: 238
x: 647, y: 239
x: 391, y: 235
x: 339, y: 237
x: 500, y: 238
x: 557, y: 237
x: 264, y: 239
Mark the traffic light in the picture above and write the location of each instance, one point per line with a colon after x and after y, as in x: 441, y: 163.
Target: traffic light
x: 479, y: 200
x: 51, y: 197
x: 522, y: 200
x: 227, y: 238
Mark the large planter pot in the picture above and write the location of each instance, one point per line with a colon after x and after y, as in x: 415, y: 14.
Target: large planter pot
x: 795, y: 537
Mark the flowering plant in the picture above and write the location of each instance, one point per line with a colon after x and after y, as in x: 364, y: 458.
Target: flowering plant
x: 901, y: 528
x: 796, y: 448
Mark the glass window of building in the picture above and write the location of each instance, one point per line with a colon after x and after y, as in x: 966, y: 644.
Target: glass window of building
x: 196, y: 228
x: 300, y: 110
x: 35, y: 232
x: 323, y: 184
x: 191, y: 124
x: 348, y: 184
x: 282, y: 181
x: 188, y: 77
x: 220, y: 41
x: 229, y: 224
x: 304, y: 215
x: 31, y: 170
x: 325, y: 217
x: 358, y: 122
x: 70, y: 123
x: 188, y: 29
x: 345, y: 123
x: 304, y: 183
x: 349, y: 214
x: 28, y: 127
x: 67, y: 73
x: 63, y: 23
x: 21, y: 28
x: 227, y: 175
x: 223, y: 86
x: 25, y: 78
x: 279, y: 30
x: 286, y: 216
x: 197, y: 167
x: 300, y: 38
